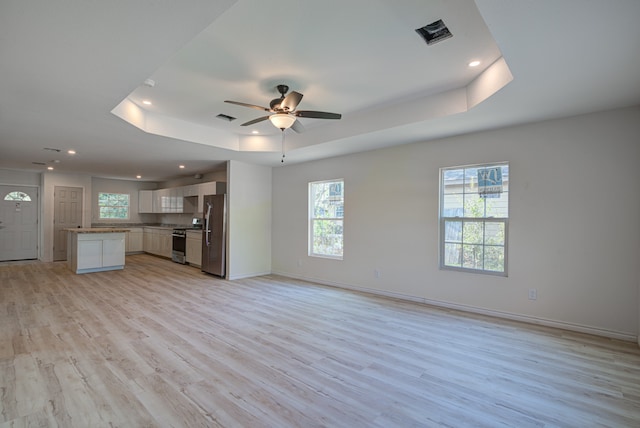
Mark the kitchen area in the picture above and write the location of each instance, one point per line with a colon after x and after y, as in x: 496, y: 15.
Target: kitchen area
x: 164, y: 231
x: 149, y: 227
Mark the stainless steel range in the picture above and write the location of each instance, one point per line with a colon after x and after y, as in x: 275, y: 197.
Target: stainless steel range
x: 179, y: 238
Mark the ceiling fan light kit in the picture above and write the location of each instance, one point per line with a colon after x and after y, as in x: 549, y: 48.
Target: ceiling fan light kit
x: 284, y: 110
x: 282, y: 120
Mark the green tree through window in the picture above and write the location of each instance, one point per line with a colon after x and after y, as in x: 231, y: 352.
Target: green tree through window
x: 113, y: 206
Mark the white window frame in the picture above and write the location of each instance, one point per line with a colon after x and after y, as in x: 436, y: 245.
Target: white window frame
x: 313, y: 220
x: 481, y: 223
x: 128, y: 206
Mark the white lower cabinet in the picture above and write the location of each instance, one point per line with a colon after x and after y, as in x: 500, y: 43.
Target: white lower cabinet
x: 157, y: 241
x: 194, y: 248
x: 89, y: 254
x: 113, y: 252
x: 95, y: 252
x: 134, y: 241
x: 166, y: 243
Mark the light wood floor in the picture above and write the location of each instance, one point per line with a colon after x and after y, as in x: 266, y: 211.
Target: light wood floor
x: 161, y: 344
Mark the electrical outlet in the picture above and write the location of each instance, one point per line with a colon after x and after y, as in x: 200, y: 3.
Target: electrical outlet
x: 533, y: 294
x: 377, y: 273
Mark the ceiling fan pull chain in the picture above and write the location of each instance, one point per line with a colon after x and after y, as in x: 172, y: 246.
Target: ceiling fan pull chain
x: 282, y: 161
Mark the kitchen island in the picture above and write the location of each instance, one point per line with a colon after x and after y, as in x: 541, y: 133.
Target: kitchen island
x: 95, y: 249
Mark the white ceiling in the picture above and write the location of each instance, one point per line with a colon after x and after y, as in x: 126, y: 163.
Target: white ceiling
x: 66, y: 65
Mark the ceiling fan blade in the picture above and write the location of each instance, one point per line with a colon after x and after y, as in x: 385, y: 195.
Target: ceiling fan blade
x: 317, y: 114
x: 251, y: 122
x: 297, y: 127
x: 291, y: 101
x: 248, y: 105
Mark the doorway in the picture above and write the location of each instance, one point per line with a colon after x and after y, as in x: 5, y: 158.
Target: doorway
x: 18, y: 223
x: 67, y: 214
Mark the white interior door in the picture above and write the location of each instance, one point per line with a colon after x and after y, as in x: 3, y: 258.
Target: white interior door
x: 18, y: 223
x: 67, y: 213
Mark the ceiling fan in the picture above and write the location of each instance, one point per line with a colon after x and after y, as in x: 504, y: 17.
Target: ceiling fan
x: 284, y: 111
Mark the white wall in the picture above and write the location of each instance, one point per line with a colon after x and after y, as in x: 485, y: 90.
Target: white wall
x: 574, y: 233
x: 249, y: 220
x: 22, y: 178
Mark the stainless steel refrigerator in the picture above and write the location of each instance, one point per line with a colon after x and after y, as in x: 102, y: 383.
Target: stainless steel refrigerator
x: 214, y: 234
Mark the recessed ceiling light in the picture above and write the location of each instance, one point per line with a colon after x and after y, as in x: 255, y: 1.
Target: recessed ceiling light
x: 146, y: 102
x: 474, y: 63
x: 181, y: 166
x: 50, y: 168
x: 255, y: 132
x: 138, y: 176
x: 71, y: 152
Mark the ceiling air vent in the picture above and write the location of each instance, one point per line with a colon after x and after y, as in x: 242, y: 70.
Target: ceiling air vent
x: 225, y: 117
x: 434, y: 32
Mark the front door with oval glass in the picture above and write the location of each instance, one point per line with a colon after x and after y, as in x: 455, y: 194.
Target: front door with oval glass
x: 18, y: 223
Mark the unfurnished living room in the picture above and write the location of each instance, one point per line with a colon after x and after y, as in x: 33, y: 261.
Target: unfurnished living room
x: 371, y: 213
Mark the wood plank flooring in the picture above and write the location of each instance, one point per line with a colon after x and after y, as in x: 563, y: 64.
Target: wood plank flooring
x: 164, y: 345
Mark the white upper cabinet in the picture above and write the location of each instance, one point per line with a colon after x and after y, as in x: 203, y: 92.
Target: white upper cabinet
x: 176, y: 201
x: 210, y: 188
x: 164, y: 201
x: 191, y: 190
x: 145, y: 201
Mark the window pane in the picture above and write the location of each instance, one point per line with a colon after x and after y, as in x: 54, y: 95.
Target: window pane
x: 453, y: 205
x: 473, y: 205
x: 494, y: 233
x: 498, y: 207
x: 472, y: 233
x: 471, y: 180
x: 452, y: 181
x: 327, y: 237
x: 113, y: 205
x: 453, y: 231
x: 453, y: 255
x: 327, y: 200
x: 17, y: 196
x: 494, y: 258
x: 472, y: 256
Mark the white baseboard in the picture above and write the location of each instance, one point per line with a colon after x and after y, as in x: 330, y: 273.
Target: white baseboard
x: 248, y: 275
x: 629, y: 337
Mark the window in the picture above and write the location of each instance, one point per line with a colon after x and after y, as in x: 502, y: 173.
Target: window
x: 326, y: 217
x: 474, y: 214
x: 17, y: 196
x: 113, y: 205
